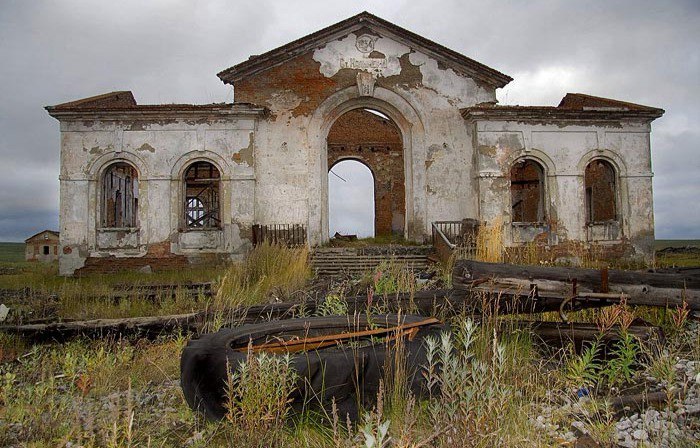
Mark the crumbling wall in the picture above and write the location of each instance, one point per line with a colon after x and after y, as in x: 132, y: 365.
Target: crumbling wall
x: 306, y: 93
x: 159, y: 148
x: 565, y: 149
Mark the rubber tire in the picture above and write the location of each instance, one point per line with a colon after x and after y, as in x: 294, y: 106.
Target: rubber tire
x: 351, y: 377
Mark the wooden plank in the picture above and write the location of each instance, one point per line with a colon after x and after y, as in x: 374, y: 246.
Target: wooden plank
x: 641, y: 288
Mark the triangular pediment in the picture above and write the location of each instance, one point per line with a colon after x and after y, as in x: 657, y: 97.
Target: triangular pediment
x: 366, y: 21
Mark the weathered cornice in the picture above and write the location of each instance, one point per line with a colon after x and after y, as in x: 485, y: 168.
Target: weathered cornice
x: 539, y: 114
x: 450, y: 58
x: 166, y: 111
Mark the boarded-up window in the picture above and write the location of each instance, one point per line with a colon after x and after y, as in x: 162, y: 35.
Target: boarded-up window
x: 120, y: 196
x: 202, y: 196
x: 527, y: 191
x: 600, y: 192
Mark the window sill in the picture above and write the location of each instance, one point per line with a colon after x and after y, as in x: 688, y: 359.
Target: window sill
x: 112, y: 238
x: 603, y: 231
x: 603, y: 223
x: 528, y: 224
x: 202, y: 229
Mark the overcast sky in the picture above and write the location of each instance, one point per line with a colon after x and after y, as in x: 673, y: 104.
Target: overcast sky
x: 170, y: 51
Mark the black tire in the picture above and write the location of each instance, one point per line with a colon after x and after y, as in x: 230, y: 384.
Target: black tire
x: 350, y: 376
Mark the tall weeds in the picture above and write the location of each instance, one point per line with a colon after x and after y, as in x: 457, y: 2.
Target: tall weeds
x: 269, y: 271
x: 473, y: 380
x: 489, y: 242
x: 258, y: 393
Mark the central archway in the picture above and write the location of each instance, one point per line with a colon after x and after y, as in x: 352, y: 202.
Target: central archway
x: 373, y: 139
x: 409, y: 121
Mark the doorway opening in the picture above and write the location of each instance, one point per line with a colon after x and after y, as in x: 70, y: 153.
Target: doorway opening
x: 351, y: 199
x: 374, y: 142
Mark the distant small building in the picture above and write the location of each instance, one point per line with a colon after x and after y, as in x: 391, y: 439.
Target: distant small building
x: 42, y: 247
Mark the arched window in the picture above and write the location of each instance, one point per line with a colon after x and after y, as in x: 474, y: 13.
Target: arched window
x: 202, y: 196
x: 527, y: 191
x: 120, y: 196
x: 600, y: 192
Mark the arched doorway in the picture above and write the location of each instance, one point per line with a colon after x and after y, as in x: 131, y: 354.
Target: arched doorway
x: 372, y: 138
x: 351, y: 206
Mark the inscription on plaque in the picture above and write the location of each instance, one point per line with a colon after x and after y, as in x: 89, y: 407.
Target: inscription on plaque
x: 371, y: 64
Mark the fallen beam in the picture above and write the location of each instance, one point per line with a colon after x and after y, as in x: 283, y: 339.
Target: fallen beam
x: 639, y: 288
x: 145, y: 326
x: 444, y: 302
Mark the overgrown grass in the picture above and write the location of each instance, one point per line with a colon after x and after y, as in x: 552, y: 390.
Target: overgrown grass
x: 488, y: 379
x: 270, y: 272
x: 42, y: 293
x: 93, y: 393
x: 378, y: 240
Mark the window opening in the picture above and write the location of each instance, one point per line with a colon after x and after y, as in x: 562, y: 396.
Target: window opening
x: 527, y: 191
x: 600, y: 192
x: 120, y: 196
x: 202, y: 196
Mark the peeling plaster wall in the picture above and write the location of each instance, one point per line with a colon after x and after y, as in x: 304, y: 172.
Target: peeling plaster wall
x: 305, y: 94
x: 159, y: 148
x: 564, y: 150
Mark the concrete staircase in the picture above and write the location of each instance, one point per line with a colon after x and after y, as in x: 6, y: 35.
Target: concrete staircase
x: 334, y: 261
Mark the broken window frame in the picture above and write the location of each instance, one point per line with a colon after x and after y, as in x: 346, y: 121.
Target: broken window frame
x: 201, y: 196
x: 119, y: 191
x: 541, y: 186
x: 589, y: 194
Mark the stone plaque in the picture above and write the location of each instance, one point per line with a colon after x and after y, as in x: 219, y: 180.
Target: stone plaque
x: 365, y: 83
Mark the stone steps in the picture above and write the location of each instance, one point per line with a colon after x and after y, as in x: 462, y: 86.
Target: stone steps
x: 335, y: 261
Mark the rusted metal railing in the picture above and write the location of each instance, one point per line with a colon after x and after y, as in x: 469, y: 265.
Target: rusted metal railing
x: 442, y: 244
x: 455, y: 237
x: 285, y: 234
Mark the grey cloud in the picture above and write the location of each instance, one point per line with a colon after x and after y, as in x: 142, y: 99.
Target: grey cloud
x: 170, y: 51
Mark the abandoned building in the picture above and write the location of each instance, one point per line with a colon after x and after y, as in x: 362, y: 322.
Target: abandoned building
x: 173, y: 183
x: 42, y: 246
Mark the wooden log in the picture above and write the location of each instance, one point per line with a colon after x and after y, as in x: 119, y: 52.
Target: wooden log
x: 150, y: 325
x: 641, y: 401
x: 443, y: 302
x: 641, y: 288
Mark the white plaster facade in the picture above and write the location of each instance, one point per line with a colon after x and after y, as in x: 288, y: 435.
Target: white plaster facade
x: 270, y: 148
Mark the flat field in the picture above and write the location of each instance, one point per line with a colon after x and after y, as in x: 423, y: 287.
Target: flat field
x: 11, y: 252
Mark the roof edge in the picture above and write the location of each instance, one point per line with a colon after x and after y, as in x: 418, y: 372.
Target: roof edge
x: 285, y: 52
x: 54, y: 232
x: 582, y: 101
x: 119, y: 98
x: 83, y: 108
x: 573, y: 107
